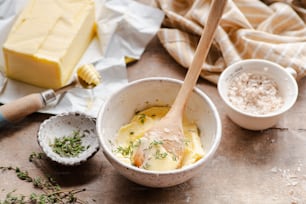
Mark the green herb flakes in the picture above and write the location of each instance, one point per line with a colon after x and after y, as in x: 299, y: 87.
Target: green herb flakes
x: 160, y: 155
x: 142, y: 118
x: 69, y: 146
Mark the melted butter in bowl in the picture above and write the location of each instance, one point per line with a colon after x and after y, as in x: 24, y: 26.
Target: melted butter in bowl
x: 130, y: 136
x: 131, y: 111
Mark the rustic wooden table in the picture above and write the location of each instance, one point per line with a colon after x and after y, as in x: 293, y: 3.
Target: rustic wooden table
x: 248, y: 167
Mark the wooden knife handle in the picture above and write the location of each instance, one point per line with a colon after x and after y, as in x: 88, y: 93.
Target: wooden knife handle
x: 20, y: 108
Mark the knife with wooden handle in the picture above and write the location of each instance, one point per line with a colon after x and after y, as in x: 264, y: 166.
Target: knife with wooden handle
x: 16, y: 110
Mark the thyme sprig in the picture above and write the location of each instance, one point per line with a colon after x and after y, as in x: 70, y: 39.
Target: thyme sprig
x: 51, y: 192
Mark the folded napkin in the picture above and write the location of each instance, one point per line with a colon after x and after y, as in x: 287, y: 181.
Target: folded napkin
x: 271, y: 30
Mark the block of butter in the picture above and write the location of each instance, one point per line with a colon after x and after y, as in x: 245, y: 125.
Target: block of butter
x: 47, y: 41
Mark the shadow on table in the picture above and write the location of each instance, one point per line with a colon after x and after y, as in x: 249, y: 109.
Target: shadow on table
x: 69, y: 176
x: 134, y: 193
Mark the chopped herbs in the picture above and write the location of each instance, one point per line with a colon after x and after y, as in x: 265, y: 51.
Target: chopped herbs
x: 187, y: 142
x: 155, y: 153
x: 159, y: 155
x: 156, y: 142
x: 174, y: 158
x: 142, y: 118
x: 125, y: 151
x: 69, y: 146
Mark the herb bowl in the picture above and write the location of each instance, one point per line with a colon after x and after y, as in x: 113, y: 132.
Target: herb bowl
x: 141, y: 94
x: 68, y: 138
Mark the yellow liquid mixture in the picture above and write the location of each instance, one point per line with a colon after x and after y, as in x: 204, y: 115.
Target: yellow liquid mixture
x: 128, y: 137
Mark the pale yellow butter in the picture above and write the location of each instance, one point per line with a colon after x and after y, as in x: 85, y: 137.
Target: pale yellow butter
x: 130, y: 136
x: 47, y: 41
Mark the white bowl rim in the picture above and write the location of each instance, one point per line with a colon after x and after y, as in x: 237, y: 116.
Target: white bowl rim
x: 208, y: 154
x: 272, y: 114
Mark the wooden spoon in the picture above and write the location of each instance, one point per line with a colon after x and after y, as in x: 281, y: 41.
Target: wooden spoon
x: 169, y: 131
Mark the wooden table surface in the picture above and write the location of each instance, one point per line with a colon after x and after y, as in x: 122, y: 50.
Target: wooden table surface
x: 249, y: 167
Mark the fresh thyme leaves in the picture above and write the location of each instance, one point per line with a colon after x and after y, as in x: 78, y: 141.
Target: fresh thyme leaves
x: 156, y: 142
x: 35, y: 155
x: 10, y: 198
x: 51, y: 192
x: 127, y: 151
x: 69, y: 146
x: 187, y: 142
x: 160, y: 155
x: 124, y: 151
x: 142, y: 118
x: 174, y: 157
x: 23, y: 175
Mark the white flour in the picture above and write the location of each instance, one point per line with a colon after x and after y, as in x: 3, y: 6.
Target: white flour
x: 255, y: 93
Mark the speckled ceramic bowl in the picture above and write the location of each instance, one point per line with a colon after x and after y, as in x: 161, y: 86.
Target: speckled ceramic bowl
x: 64, y: 125
x: 286, y: 83
x: 141, y: 94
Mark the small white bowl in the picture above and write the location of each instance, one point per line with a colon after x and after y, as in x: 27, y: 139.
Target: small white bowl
x: 284, y: 79
x: 138, y: 95
x: 64, y: 125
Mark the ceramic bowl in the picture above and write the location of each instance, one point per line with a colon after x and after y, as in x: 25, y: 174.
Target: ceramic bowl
x: 64, y: 125
x: 286, y: 83
x: 141, y: 94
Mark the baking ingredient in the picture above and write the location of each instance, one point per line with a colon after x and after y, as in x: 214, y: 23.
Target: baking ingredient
x: 159, y: 159
x: 47, y: 41
x: 69, y: 146
x: 129, y: 60
x: 89, y: 74
x: 255, y: 93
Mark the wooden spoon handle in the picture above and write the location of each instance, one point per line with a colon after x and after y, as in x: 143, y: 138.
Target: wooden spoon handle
x: 215, y: 14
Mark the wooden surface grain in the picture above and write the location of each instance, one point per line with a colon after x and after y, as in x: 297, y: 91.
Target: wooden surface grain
x: 249, y: 167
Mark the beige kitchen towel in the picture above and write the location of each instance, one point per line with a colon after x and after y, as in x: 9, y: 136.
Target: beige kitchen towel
x: 271, y: 30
